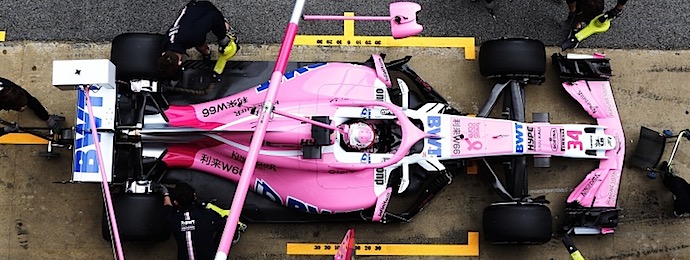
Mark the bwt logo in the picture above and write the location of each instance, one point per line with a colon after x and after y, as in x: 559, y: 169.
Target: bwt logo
x: 290, y: 75
x: 366, y: 113
x: 366, y: 158
x: 263, y: 188
x: 85, y: 157
x: 519, y: 148
x: 434, y: 123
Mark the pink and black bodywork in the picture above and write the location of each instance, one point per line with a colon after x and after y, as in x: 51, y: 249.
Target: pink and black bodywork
x: 372, y: 141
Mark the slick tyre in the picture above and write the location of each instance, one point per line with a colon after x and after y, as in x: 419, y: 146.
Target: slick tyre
x: 135, y: 55
x: 140, y: 218
x: 512, y: 59
x: 517, y: 224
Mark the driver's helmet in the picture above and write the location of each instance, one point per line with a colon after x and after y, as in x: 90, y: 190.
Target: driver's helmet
x: 359, y: 135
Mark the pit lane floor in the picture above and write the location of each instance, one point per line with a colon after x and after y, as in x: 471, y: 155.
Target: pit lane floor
x: 40, y: 219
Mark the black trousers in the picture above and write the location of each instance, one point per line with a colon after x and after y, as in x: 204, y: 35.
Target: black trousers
x: 209, y: 17
x: 36, y: 106
x: 620, y: 2
x: 191, y: 27
x: 587, y: 9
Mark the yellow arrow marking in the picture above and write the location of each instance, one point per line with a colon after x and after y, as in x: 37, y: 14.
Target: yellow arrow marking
x: 471, y: 249
x: 21, y: 138
x: 350, y: 39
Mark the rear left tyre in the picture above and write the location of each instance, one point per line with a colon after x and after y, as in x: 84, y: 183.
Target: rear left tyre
x: 135, y: 55
x: 140, y: 218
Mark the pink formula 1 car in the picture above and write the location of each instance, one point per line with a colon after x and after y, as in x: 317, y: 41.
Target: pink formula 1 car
x: 368, y: 141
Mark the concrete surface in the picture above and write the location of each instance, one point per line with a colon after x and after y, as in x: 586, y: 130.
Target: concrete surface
x: 661, y: 24
x: 40, y: 219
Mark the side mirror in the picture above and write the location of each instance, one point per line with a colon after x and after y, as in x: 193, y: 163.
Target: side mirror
x: 403, y: 19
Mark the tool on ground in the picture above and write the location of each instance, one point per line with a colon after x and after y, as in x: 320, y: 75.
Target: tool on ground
x: 52, y: 138
x: 650, y: 148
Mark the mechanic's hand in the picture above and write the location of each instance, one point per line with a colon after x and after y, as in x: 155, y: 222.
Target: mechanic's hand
x: 224, y: 42
x: 14, y: 127
x: 613, y: 13
x: 569, y: 21
x: 571, y: 17
x: 161, y: 189
x: 227, y: 40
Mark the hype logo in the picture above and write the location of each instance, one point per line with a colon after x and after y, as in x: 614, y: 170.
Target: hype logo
x: 290, y: 75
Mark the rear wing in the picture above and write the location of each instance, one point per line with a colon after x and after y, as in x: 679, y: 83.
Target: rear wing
x: 68, y: 75
x: 85, y: 163
x: 90, y: 162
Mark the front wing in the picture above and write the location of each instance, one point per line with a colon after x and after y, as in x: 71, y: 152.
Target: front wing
x: 591, y: 207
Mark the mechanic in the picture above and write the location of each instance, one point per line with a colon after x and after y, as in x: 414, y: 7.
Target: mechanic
x: 14, y: 97
x: 196, y: 229
x: 196, y: 19
x: 681, y: 194
x: 581, y: 12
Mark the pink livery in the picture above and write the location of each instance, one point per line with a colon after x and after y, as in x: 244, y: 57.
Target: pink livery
x: 349, y: 167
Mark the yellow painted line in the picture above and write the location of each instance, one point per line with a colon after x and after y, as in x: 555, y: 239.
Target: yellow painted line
x: 471, y: 249
x: 349, y: 26
x: 2, y: 36
x: 21, y: 138
x: 350, y: 39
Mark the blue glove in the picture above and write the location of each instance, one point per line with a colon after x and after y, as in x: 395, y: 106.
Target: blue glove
x: 613, y: 13
x: 14, y: 127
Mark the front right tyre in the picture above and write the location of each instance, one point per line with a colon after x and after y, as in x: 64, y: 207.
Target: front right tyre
x: 514, y: 223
